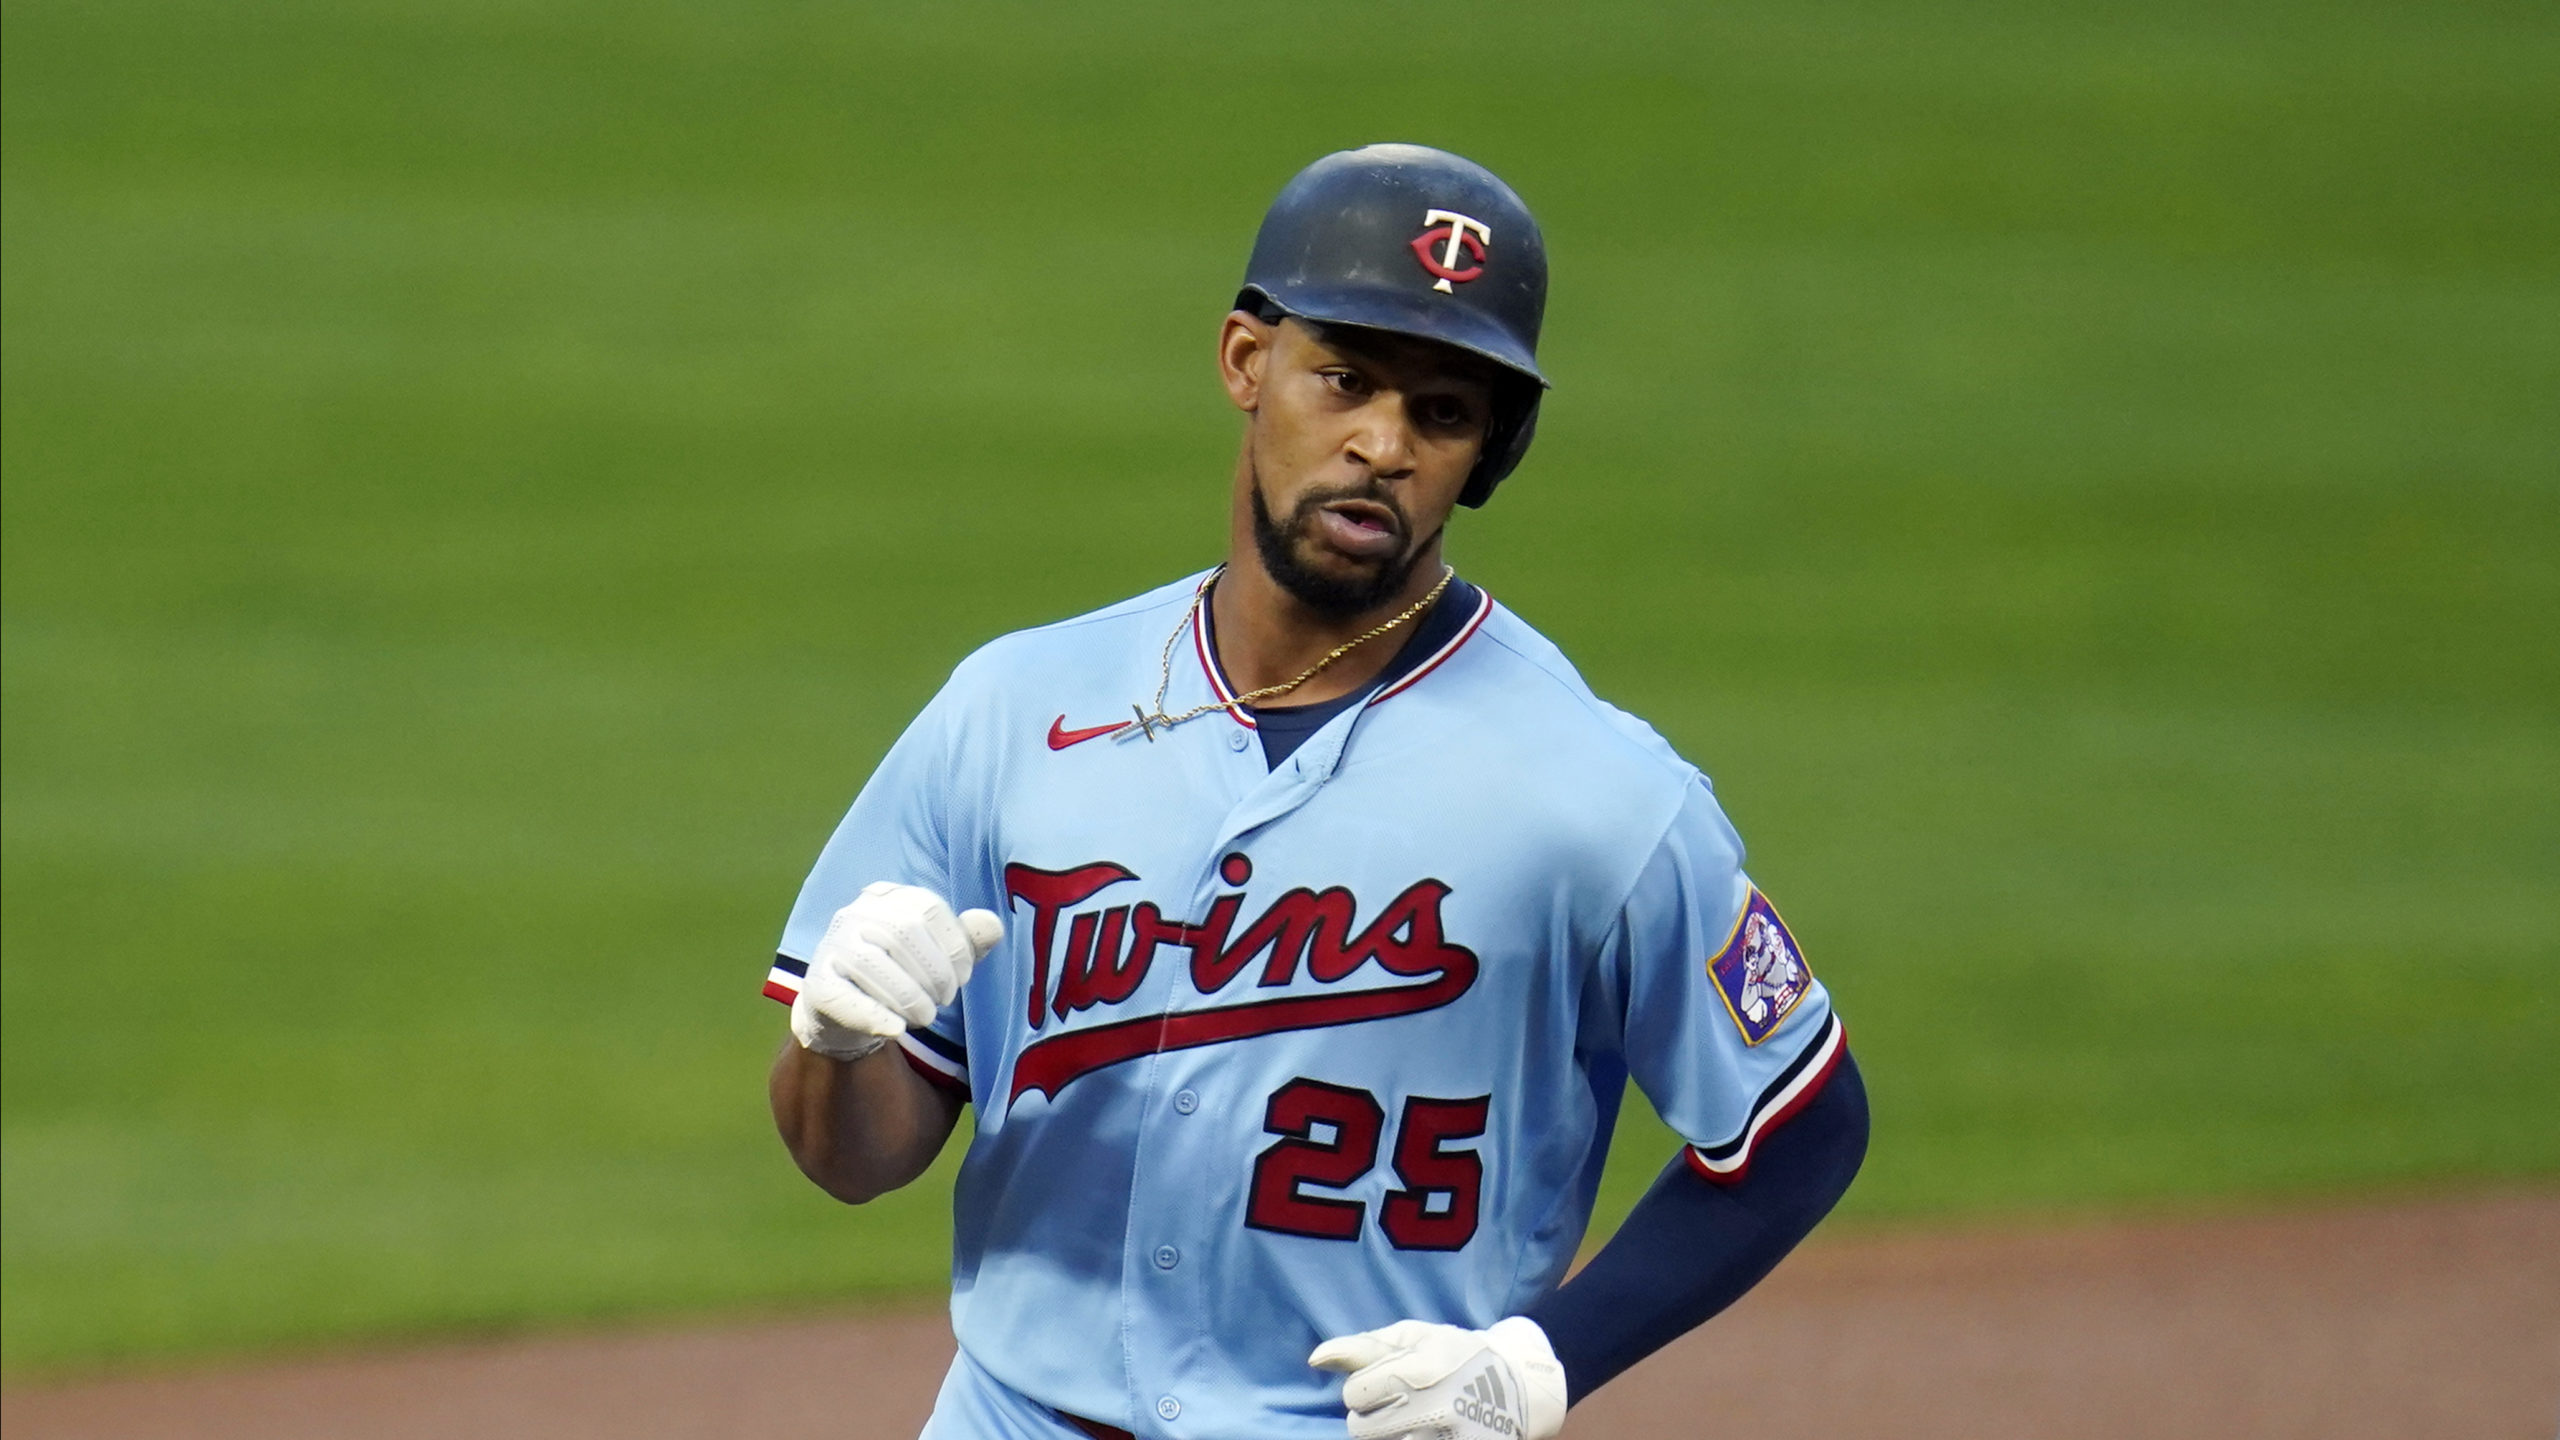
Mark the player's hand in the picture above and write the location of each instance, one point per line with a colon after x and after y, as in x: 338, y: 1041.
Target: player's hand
x: 889, y: 960
x: 1415, y: 1380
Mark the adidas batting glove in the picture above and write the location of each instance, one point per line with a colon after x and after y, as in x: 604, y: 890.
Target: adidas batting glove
x: 1415, y: 1380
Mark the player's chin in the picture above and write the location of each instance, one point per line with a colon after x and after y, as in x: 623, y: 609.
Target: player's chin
x: 1332, y: 583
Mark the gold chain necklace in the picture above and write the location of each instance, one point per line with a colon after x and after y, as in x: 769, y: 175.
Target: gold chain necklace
x: 1147, y: 724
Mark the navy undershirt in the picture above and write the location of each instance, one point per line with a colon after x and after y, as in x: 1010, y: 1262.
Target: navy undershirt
x: 1691, y: 1246
x: 1286, y: 727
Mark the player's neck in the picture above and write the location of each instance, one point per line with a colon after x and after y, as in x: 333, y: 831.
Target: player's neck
x: 1266, y: 635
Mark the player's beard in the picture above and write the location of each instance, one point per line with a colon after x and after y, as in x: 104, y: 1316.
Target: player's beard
x: 1335, y: 597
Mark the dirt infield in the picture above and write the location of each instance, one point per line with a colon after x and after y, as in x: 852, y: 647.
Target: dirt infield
x: 2439, y: 1320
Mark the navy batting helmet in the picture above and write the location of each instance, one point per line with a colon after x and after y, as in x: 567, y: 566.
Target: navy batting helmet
x: 1420, y: 242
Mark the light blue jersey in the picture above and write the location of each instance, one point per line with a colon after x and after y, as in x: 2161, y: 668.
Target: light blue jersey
x: 1269, y: 1056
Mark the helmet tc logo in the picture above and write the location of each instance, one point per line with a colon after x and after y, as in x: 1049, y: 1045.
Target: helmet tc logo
x: 1448, y: 231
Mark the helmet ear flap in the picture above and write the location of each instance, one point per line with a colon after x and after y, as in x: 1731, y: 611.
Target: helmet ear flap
x: 1506, y: 441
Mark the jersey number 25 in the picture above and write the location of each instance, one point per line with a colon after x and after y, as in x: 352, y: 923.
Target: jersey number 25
x: 1436, y: 1208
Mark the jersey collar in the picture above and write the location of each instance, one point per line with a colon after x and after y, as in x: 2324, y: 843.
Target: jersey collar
x: 1418, y: 658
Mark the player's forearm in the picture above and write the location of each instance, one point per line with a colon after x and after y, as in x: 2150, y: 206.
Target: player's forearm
x: 1691, y: 1247
x: 858, y: 1128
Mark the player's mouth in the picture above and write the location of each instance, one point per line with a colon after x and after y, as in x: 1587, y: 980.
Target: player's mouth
x: 1363, y: 529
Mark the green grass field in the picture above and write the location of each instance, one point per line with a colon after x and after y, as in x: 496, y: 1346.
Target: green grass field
x: 484, y: 481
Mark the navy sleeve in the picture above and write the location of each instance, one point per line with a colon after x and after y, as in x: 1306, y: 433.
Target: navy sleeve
x: 1692, y: 1246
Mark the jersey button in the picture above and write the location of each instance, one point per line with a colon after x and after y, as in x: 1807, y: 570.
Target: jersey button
x: 1167, y: 1257
x: 1185, y: 1101
x: 1237, y: 739
x: 1169, y: 1408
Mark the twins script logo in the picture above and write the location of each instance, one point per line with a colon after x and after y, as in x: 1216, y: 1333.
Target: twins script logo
x: 1449, y: 232
x: 1109, y: 950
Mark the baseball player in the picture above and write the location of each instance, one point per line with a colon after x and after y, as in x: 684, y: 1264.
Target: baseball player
x: 1295, y: 928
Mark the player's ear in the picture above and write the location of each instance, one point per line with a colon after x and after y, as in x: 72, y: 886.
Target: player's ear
x: 1244, y: 349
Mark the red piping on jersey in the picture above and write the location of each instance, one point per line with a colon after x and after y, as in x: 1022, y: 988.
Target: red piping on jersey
x: 1757, y: 1129
x: 1226, y: 694
x: 1484, y: 607
x: 951, y: 1083
x: 1209, y: 661
x: 776, y: 990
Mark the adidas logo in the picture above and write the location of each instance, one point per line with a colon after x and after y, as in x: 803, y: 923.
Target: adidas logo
x: 1487, y: 1403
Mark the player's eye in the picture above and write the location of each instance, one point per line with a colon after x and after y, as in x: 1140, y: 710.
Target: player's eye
x: 1344, y: 382
x: 1447, y: 412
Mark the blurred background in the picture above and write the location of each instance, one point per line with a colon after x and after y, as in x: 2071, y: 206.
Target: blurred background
x: 485, y: 480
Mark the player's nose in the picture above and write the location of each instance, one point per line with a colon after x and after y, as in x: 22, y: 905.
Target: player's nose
x: 1383, y: 437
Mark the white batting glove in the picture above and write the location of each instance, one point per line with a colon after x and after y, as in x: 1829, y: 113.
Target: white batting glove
x: 1415, y: 1380
x: 889, y: 960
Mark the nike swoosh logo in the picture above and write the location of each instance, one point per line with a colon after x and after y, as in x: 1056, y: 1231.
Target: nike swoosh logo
x: 1061, y: 737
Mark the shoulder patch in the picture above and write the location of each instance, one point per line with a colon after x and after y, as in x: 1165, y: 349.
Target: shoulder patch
x: 1760, y: 972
